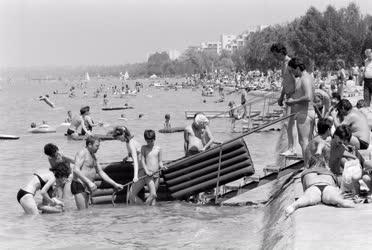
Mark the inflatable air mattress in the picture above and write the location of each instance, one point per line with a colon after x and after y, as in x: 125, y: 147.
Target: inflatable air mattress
x: 172, y: 130
x: 42, y: 129
x: 198, y: 173
x: 117, y: 108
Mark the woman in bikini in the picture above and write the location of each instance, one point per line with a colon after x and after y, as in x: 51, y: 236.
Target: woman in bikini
x: 44, y: 182
x: 320, y: 186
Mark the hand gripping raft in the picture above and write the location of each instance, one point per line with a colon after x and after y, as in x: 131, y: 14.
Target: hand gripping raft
x: 201, y: 172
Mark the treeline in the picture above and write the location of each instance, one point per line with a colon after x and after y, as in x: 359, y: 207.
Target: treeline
x: 319, y: 38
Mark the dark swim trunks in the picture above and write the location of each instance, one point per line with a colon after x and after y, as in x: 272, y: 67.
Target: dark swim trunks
x: 70, y: 131
x: 77, y: 187
x: 22, y: 193
x: 363, y: 145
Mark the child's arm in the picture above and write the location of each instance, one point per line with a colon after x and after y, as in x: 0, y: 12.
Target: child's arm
x: 133, y: 153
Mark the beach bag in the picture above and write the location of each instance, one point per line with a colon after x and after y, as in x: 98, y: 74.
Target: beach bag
x: 352, y: 170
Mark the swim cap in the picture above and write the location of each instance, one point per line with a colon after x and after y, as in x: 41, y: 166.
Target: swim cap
x: 201, y: 119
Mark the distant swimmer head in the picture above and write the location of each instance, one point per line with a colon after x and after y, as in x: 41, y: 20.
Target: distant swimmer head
x: 201, y: 120
x: 33, y: 125
x: 167, y: 116
x: 140, y: 115
x: 204, y: 101
x: 84, y: 110
x: 231, y: 104
x: 47, y: 96
x: 126, y: 104
x: 122, y: 133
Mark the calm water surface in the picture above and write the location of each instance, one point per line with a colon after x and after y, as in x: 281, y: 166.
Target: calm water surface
x: 169, y: 225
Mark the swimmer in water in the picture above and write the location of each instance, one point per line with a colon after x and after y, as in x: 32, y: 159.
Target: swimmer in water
x: 43, y: 181
x: 140, y: 116
x: 167, y: 124
x: 46, y: 100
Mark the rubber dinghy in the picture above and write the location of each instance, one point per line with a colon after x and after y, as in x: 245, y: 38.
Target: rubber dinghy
x: 172, y: 130
x: 116, y: 108
x: 198, y: 173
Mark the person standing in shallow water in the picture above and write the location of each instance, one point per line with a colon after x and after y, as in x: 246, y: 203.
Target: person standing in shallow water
x: 84, y: 173
x: 288, y: 87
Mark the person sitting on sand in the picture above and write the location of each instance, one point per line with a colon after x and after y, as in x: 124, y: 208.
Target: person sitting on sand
x: 322, y: 103
x: 320, y: 186
x: 197, y: 136
x: 320, y: 144
x: 167, y: 124
x: 43, y: 181
x: 343, y: 156
x: 358, y: 123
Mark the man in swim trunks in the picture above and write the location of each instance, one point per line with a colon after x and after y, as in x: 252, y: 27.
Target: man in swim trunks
x: 198, y: 136
x: 288, y: 87
x: 84, y: 173
x: 77, y: 122
x: 358, y: 123
x: 301, y: 102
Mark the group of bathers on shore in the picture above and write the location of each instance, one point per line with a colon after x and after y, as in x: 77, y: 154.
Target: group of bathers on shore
x: 334, y: 168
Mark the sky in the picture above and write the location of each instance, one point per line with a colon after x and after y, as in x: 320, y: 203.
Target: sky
x: 111, y: 32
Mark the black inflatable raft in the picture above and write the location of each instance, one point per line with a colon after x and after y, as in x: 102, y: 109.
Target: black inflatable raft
x: 198, y: 173
x: 121, y: 172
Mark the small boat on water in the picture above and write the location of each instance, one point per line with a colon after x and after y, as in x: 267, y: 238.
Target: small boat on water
x: 215, y: 114
x: 8, y: 137
x: 116, y: 108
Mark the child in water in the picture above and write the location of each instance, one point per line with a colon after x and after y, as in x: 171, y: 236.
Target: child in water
x: 69, y: 116
x: 151, y: 163
x: 105, y: 100
x: 167, y: 121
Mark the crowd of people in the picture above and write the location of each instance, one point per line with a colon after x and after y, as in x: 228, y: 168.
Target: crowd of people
x: 334, y: 167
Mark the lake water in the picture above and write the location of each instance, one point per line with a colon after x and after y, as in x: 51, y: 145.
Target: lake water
x: 168, y: 225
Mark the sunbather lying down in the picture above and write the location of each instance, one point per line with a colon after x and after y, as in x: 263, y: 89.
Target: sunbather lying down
x: 320, y: 186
